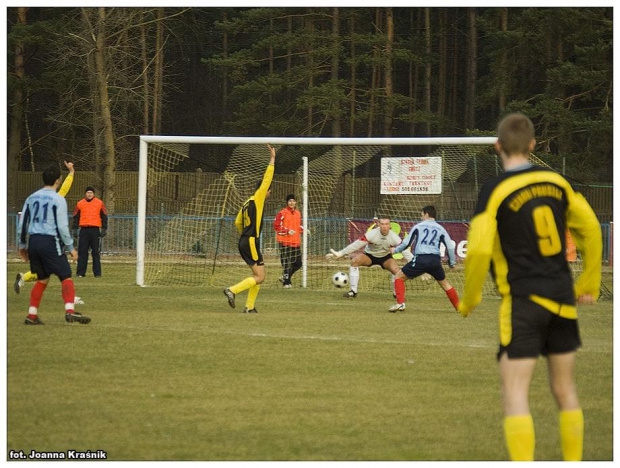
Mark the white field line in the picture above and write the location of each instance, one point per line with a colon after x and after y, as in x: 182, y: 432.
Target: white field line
x: 590, y: 347
x: 337, y: 338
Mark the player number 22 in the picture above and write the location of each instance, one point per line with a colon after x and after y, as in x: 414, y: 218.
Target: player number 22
x: 549, y: 242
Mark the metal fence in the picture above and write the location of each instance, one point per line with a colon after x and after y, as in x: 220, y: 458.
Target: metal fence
x: 122, y: 234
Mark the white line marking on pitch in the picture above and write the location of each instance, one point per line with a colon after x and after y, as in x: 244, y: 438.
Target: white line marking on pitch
x: 301, y: 337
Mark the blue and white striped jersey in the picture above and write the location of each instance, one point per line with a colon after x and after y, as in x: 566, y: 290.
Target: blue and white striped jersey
x: 425, y: 238
x: 45, y: 213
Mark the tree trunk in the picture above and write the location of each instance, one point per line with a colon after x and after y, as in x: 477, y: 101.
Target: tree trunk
x: 443, y: 60
x: 159, y: 67
x: 503, y: 84
x: 289, y: 53
x: 388, y: 73
x: 374, y: 80
x: 271, y: 63
x: 335, y: 66
x: 310, y: 62
x: 225, y: 112
x: 98, y: 151
x: 413, y: 81
x: 353, y: 79
x: 454, y: 89
x: 16, y: 118
x: 472, y: 70
x: 106, y: 117
x: 428, y: 70
x: 145, y: 76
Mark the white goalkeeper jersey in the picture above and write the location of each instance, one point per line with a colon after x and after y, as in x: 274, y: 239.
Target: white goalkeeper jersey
x: 374, y: 243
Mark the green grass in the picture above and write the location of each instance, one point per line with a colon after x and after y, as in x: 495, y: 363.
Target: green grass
x: 175, y: 374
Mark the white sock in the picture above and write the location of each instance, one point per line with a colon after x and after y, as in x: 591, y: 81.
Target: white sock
x: 354, y: 277
x: 32, y: 310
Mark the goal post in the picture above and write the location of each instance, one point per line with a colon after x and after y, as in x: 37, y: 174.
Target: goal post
x: 190, y: 188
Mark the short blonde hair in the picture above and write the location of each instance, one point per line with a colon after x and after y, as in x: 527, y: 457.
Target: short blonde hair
x: 515, y: 133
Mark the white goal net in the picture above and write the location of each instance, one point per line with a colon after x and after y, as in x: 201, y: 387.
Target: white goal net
x: 191, y: 189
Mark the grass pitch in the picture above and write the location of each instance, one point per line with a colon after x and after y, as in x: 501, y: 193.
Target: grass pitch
x: 175, y: 374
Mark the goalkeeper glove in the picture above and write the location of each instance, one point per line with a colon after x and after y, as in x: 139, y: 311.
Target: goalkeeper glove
x: 103, y: 232
x: 333, y: 254
x: 291, y: 232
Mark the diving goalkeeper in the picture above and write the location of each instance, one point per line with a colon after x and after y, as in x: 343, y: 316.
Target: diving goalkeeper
x: 377, y: 244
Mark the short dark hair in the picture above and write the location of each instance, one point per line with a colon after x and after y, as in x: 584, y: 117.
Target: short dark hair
x: 51, y: 174
x: 430, y: 210
x: 515, y: 133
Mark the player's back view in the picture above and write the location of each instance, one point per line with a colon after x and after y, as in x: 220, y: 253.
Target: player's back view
x: 520, y: 225
x: 528, y: 208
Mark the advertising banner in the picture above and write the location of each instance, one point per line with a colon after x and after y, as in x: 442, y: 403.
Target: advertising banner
x: 411, y: 176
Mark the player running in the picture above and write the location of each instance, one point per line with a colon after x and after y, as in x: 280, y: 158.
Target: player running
x: 424, y: 240
x: 377, y: 244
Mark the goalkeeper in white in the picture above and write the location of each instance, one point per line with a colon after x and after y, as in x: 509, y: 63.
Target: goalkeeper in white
x: 377, y: 244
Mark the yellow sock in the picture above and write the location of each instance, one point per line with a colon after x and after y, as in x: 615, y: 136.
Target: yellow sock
x: 571, y: 434
x: 252, y: 293
x: 29, y: 276
x: 519, y: 434
x: 243, y: 285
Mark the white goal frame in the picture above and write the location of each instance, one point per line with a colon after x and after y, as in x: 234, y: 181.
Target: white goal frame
x: 325, y: 141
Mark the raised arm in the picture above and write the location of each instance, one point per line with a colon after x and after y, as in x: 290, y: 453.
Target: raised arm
x: 68, y: 182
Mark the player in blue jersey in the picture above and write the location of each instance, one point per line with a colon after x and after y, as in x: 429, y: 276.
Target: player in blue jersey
x: 425, y: 239
x: 43, y: 237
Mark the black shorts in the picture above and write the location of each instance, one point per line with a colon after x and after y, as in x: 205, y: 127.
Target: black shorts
x: 378, y: 260
x: 535, y: 330
x: 44, y: 258
x: 425, y: 263
x: 249, y: 248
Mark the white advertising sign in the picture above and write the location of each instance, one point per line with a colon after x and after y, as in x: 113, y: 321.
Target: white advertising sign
x: 411, y: 175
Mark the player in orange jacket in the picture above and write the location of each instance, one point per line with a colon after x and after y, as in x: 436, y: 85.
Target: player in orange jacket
x: 288, y: 235
x: 91, y: 217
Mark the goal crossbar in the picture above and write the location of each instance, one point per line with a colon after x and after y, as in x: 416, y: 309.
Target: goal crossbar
x: 403, y: 141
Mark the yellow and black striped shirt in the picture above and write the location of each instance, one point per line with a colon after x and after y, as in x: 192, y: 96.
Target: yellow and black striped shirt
x: 249, y: 220
x: 519, y: 230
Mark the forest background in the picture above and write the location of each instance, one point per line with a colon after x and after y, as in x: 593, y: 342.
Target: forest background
x: 84, y: 83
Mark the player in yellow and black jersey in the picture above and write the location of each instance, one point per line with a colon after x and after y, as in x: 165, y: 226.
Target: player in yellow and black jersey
x: 249, y: 224
x: 518, y: 230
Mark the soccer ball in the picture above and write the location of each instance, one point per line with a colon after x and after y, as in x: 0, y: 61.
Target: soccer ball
x: 340, y: 280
